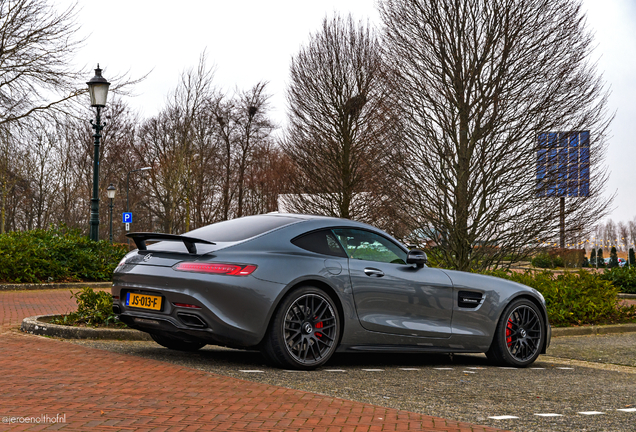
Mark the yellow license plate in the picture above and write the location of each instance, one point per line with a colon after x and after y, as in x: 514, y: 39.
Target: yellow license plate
x: 143, y: 301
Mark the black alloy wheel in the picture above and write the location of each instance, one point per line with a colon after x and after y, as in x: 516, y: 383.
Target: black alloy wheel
x: 519, y: 336
x: 305, y: 330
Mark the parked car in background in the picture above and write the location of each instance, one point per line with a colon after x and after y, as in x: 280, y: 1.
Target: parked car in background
x: 621, y: 262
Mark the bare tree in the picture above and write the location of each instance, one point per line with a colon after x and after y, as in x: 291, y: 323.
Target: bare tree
x: 476, y: 81
x: 632, y: 232
x: 609, y: 234
x: 339, y: 123
x: 266, y: 178
x: 10, y: 176
x: 36, y: 46
x: 251, y: 114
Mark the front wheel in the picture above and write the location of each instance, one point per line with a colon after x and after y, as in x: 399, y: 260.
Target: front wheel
x: 519, y: 335
x: 305, y: 330
x: 176, y: 344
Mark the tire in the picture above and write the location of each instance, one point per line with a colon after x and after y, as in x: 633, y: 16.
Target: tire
x: 176, y: 344
x: 519, y: 335
x: 304, y: 331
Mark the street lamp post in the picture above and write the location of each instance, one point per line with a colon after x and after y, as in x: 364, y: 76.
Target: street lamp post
x: 98, y: 89
x: 110, y: 190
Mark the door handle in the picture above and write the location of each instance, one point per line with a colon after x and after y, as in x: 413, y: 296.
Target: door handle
x: 373, y: 272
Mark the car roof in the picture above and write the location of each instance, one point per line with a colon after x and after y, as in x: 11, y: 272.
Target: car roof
x: 325, y: 220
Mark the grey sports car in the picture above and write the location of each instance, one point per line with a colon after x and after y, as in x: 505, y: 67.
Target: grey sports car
x: 300, y: 288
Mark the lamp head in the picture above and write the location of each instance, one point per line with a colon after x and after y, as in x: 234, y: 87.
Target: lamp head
x: 111, y: 190
x: 98, y: 89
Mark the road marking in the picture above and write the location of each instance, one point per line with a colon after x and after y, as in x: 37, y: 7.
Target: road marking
x: 506, y: 367
x: 469, y: 371
x: 565, y: 368
x: 590, y: 412
x: 250, y: 371
x: 443, y: 368
x: 503, y: 417
x: 549, y: 415
x: 373, y: 370
x: 334, y: 370
x: 475, y: 368
x: 627, y: 409
x: 409, y: 369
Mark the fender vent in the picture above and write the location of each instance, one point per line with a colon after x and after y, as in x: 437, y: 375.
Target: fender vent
x: 469, y: 299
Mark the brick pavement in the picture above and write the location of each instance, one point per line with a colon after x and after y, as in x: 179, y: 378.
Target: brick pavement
x: 104, y: 391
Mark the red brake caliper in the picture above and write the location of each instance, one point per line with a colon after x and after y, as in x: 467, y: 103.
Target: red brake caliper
x: 319, y: 325
x: 509, y: 332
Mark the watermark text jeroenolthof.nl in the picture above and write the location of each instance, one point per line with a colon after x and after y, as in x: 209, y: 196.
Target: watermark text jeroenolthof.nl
x: 41, y: 419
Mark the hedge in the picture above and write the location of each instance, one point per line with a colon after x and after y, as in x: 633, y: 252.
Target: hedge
x: 58, y: 254
x: 575, y: 298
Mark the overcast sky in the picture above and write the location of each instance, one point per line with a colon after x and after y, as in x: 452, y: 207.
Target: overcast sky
x: 253, y: 40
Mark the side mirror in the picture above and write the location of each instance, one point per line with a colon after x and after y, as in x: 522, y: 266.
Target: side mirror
x: 417, y: 257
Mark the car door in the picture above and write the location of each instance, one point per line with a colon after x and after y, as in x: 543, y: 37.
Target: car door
x: 392, y: 296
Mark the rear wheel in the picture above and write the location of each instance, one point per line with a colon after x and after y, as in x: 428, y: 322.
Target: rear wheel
x: 519, y: 335
x: 305, y: 330
x: 176, y: 344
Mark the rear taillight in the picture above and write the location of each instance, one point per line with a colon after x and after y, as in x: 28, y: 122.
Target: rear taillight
x: 187, y: 305
x: 216, y: 268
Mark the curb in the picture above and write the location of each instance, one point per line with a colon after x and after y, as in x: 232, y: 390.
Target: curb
x: 593, y: 330
x: 34, y: 325
x: 623, y: 296
x: 46, y: 286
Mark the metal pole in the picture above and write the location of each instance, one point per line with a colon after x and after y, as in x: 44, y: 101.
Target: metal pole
x: 128, y: 189
x: 127, y: 208
x: 94, y: 220
x: 111, y: 221
x: 562, y: 224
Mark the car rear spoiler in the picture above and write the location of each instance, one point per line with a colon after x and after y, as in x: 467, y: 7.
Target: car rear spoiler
x: 140, y: 240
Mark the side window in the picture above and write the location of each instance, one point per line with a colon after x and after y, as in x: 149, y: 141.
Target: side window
x: 365, y: 245
x: 322, y: 242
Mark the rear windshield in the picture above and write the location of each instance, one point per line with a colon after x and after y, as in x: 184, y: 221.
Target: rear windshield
x: 240, y: 229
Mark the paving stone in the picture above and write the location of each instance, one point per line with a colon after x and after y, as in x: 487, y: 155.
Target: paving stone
x: 100, y: 390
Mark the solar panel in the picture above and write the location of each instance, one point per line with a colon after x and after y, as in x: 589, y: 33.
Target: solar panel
x: 563, y: 164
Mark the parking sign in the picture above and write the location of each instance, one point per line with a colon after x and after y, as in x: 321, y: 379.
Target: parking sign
x: 127, y: 217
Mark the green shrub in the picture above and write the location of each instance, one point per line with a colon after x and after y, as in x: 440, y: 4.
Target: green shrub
x: 624, y: 278
x: 542, y: 261
x: 567, y: 257
x: 613, y: 262
x: 631, y: 258
x: 600, y: 259
x: 547, y: 260
x: 93, y: 309
x: 575, y: 298
x: 56, y: 255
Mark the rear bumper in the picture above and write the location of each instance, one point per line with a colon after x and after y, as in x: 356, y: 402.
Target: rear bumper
x: 152, y: 323
x: 230, y: 311
x: 187, y: 325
